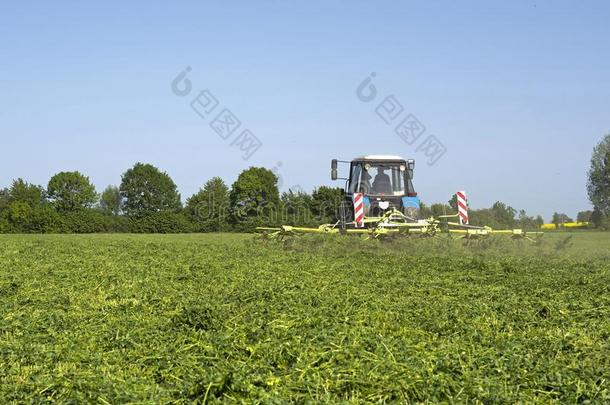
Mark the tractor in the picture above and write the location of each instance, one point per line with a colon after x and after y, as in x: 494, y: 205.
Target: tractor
x: 382, y: 182
x: 380, y: 201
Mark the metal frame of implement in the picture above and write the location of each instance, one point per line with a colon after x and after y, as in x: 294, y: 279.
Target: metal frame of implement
x: 395, y: 223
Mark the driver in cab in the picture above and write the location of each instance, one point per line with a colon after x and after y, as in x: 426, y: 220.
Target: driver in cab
x: 382, y: 184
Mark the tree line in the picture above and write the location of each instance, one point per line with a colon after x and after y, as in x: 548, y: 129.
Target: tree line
x: 147, y: 201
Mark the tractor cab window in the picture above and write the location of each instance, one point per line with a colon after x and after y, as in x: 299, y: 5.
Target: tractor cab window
x: 360, y: 180
x: 378, y: 179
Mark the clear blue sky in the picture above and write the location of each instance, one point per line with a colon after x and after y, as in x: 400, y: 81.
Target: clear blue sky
x: 518, y: 92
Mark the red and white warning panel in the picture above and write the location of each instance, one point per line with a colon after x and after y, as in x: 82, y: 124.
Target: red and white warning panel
x: 359, y: 209
x: 462, y: 203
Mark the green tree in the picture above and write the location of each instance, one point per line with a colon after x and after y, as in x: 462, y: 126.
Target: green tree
x: 424, y: 210
x: 111, y: 200
x: 560, y: 218
x: 146, y: 190
x: 325, y: 203
x: 71, y: 191
x: 527, y: 222
x: 600, y: 220
x: 22, y: 191
x: 209, y: 207
x: 584, y: 216
x: 483, y: 217
x: 26, y: 209
x: 598, y: 185
x: 254, y: 197
x: 453, y: 203
x: 4, y: 199
x: 441, y: 209
x: 296, y: 209
x: 504, y: 214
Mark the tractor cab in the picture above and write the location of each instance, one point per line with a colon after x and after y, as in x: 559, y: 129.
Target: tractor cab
x: 383, y: 181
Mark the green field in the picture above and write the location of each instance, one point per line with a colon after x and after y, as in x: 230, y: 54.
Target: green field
x: 159, y: 319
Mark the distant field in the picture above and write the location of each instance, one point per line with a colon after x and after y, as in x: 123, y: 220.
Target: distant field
x: 582, y: 242
x: 156, y: 319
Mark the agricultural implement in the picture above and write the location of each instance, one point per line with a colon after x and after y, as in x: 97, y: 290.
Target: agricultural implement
x: 387, y: 205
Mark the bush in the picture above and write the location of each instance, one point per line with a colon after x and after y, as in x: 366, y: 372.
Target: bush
x: 92, y: 221
x: 249, y: 224
x: 161, y: 222
x: 20, y: 217
x: 4, y: 226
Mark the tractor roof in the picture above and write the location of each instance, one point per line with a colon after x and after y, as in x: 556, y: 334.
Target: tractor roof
x: 380, y: 157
